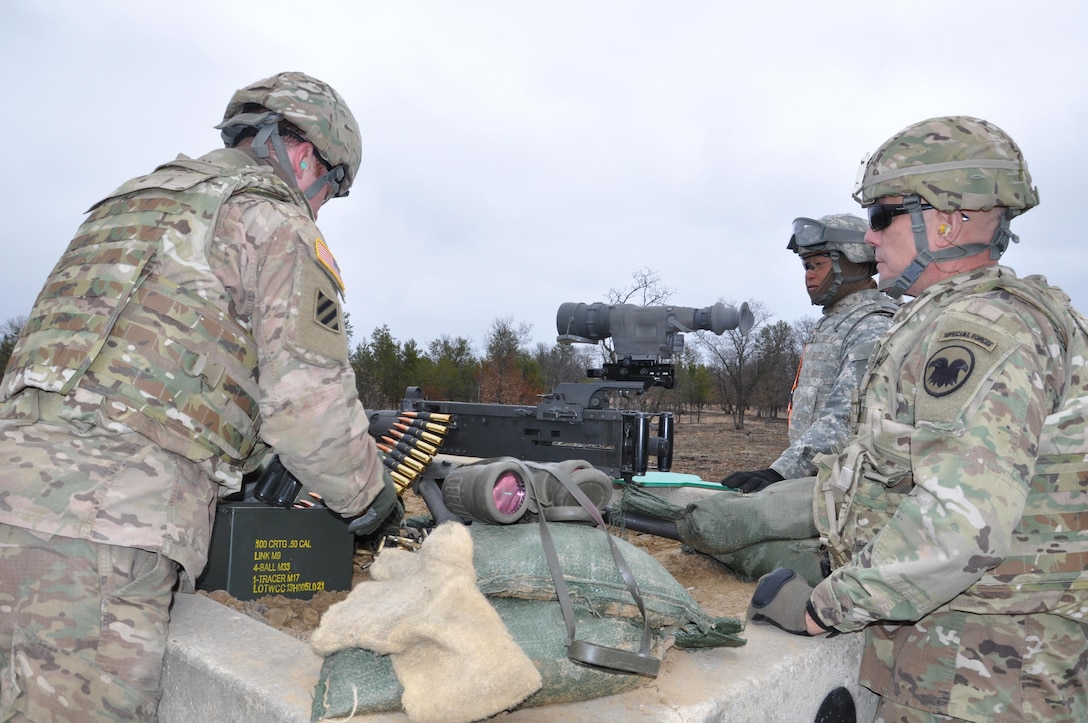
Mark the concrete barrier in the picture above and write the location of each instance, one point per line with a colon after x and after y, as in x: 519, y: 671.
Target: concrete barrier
x: 222, y: 665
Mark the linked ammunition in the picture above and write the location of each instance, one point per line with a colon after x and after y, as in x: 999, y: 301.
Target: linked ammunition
x: 432, y: 416
x: 417, y: 438
x: 434, y: 439
x: 401, y: 481
x: 408, y: 449
x: 428, y: 426
x: 402, y: 458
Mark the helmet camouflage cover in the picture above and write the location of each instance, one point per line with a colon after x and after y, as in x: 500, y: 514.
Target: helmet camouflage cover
x: 954, y: 163
x: 843, y: 232
x: 313, y: 107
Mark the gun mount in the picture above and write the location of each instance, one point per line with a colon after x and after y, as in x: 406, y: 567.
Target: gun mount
x: 576, y: 420
x: 573, y: 422
x: 645, y: 338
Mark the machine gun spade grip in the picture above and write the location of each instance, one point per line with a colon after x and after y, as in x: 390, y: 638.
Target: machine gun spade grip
x: 639, y: 445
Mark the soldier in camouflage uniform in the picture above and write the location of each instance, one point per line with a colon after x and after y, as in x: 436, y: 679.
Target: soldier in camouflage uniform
x: 956, y: 517
x: 839, y: 267
x: 193, y: 322
x: 770, y: 524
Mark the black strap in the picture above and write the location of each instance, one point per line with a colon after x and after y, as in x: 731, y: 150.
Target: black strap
x: 612, y: 660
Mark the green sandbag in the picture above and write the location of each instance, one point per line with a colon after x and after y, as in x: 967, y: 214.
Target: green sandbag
x: 353, y: 681
x: 510, y: 562
x: 538, y: 627
x: 801, y: 556
x: 512, y: 572
x: 725, y: 522
x: 356, y: 681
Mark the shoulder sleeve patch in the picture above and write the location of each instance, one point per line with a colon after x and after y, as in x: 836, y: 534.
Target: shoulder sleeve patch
x: 328, y: 262
x: 320, y: 323
x: 948, y: 369
x: 966, y: 353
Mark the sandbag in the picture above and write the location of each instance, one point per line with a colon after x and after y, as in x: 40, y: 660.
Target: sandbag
x: 513, y: 575
x: 358, y: 681
x: 805, y: 557
x: 509, y: 562
x: 728, y: 521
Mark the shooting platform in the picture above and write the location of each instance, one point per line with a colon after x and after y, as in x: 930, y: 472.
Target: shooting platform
x: 224, y: 666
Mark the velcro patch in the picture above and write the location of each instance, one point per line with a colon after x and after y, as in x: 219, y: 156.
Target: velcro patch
x: 328, y: 262
x: 960, y: 370
x: 320, y: 323
x: 972, y: 336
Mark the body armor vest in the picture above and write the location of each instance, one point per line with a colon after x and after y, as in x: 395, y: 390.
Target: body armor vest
x: 858, y: 492
x: 133, y: 312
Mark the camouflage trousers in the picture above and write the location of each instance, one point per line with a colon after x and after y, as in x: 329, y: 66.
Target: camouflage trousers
x: 82, y: 629
x: 972, y: 667
x: 888, y: 712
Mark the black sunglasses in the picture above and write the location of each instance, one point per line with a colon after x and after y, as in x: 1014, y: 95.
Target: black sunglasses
x: 881, y: 214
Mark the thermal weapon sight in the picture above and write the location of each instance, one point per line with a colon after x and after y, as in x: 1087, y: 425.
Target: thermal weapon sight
x: 644, y: 338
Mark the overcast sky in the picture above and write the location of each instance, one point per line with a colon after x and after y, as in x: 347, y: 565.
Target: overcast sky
x: 518, y: 155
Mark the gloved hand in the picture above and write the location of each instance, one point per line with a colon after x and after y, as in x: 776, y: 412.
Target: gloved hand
x: 386, y: 510
x: 781, y: 599
x: 752, y: 481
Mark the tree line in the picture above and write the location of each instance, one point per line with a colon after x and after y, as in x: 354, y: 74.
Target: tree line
x: 734, y: 373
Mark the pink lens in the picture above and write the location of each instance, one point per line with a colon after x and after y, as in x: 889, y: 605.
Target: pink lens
x: 508, y: 493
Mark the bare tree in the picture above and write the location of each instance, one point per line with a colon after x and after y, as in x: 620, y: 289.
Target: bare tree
x: 777, y: 352
x: 693, y: 383
x: 732, y: 363
x: 646, y: 289
x: 804, y: 327
x: 9, y: 334
x: 563, y: 363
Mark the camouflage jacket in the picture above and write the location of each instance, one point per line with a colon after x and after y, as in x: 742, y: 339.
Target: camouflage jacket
x: 959, y: 503
x: 81, y: 458
x: 832, y: 364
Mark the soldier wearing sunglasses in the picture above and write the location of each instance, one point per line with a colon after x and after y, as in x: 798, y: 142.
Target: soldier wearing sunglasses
x: 957, y: 515
x: 839, y: 268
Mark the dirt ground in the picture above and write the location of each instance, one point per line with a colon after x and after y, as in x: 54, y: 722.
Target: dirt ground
x: 709, y: 447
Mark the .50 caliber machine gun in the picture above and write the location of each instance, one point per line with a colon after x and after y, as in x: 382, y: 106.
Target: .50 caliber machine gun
x: 576, y: 420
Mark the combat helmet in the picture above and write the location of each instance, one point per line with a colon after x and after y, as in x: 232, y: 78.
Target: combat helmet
x: 841, y: 232
x: 315, y: 108
x: 841, y: 237
x: 950, y: 163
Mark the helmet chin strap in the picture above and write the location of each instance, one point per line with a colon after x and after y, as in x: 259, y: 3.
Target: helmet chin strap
x: 837, y: 280
x: 924, y: 257
x: 331, y: 178
x: 268, y: 130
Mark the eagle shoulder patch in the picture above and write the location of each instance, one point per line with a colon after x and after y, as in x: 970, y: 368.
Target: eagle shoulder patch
x: 948, y: 369
x: 967, y: 354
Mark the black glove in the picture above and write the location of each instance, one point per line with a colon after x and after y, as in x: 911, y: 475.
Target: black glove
x: 386, y: 510
x: 781, y: 599
x: 753, y: 481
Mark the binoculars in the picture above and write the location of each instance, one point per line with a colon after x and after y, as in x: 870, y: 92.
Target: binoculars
x: 496, y: 491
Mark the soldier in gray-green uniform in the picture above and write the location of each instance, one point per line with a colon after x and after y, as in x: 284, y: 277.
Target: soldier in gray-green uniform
x: 957, y: 517
x: 839, y: 270
x: 193, y: 323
